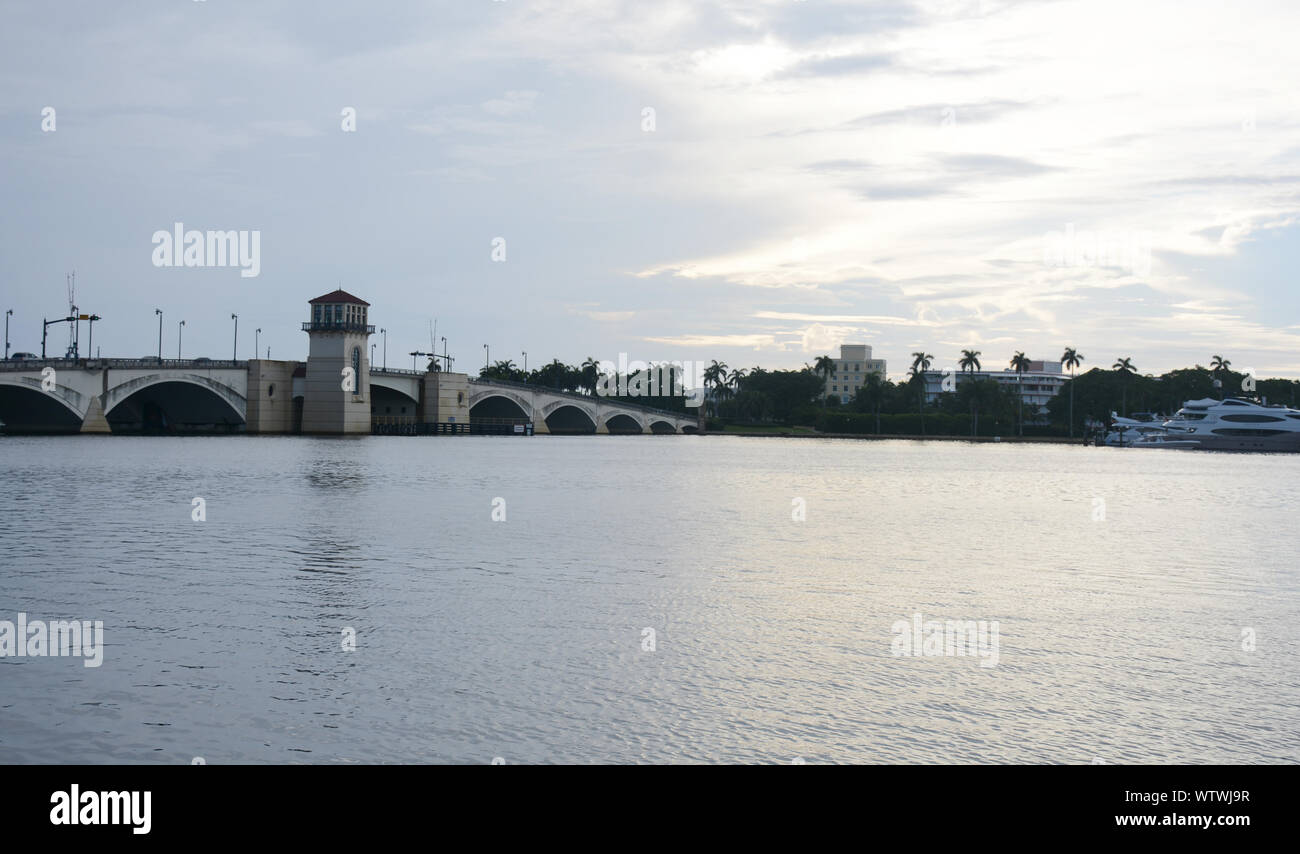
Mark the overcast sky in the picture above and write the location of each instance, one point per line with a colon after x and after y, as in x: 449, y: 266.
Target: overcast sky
x: 816, y: 173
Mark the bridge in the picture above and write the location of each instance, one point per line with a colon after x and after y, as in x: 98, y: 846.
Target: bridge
x: 554, y: 411
x: 265, y: 396
x: 122, y: 395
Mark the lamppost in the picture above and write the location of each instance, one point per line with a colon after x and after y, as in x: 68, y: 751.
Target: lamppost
x: 383, y: 332
x: 256, y: 338
x: 372, y: 353
x: 90, y: 346
x: 525, y: 363
x: 487, y: 356
x: 234, y: 353
x: 7, y: 316
x: 445, y: 365
x: 180, y: 328
x: 158, y: 311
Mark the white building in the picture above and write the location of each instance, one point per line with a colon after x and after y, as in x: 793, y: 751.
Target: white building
x: 1039, y: 384
x: 851, y: 368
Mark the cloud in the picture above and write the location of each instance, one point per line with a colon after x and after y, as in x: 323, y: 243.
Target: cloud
x: 513, y: 103
x: 843, y: 65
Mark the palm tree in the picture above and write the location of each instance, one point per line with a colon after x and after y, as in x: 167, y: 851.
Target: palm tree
x: 873, y: 392
x: 715, y: 375
x: 970, y: 361
x: 1125, y: 367
x: 920, y: 364
x: 735, y: 378
x: 1020, y: 363
x: 824, y: 366
x: 1219, y: 366
x: 589, y: 371
x: 1071, y: 359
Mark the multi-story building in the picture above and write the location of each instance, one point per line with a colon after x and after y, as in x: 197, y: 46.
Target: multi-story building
x: 851, y: 368
x: 1037, y: 385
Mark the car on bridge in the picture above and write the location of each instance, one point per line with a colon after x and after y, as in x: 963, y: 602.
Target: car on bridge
x: 23, y: 357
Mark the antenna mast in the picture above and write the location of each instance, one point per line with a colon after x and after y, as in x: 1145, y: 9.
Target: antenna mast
x: 72, y: 312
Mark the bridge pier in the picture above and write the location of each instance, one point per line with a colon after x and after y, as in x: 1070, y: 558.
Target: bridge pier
x: 444, y: 398
x: 94, y: 421
x: 270, y: 396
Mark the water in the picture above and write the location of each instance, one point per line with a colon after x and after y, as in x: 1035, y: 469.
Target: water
x: 1121, y: 639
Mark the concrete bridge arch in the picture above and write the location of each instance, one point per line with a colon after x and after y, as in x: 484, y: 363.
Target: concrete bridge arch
x: 26, y: 405
x: 121, y: 392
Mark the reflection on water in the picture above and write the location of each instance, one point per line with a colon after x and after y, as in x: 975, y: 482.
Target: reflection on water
x: 336, y: 473
x: 1121, y: 638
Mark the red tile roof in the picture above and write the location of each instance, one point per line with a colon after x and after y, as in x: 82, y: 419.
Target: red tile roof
x: 339, y: 296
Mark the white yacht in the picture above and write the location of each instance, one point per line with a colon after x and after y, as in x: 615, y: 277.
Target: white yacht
x: 1126, y: 432
x: 1229, y: 425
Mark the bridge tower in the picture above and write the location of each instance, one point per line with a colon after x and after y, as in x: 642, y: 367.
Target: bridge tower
x: 336, y: 394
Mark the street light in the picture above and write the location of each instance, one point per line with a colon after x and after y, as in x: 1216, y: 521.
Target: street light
x: 487, y: 356
x: 256, y: 336
x: 445, y: 365
x: 234, y: 353
x: 158, y: 311
x: 383, y: 332
x: 372, y: 353
x: 525, y: 362
x: 180, y: 328
x: 90, y: 347
x: 7, y: 315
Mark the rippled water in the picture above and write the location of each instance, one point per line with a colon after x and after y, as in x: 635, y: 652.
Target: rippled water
x: 1121, y: 638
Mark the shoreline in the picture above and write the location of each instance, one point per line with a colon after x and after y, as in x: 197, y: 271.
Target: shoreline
x: 994, y: 440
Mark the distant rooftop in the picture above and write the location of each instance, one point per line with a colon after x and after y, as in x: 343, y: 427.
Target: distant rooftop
x: 339, y: 296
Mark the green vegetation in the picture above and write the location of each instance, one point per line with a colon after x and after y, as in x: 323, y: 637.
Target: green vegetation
x: 759, y: 400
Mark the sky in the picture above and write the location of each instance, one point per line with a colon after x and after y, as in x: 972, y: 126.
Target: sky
x: 753, y: 182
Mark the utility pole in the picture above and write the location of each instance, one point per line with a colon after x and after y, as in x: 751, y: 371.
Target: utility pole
x: 90, y: 345
x: 45, y: 330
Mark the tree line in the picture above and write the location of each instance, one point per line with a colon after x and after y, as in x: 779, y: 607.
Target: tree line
x: 976, y: 406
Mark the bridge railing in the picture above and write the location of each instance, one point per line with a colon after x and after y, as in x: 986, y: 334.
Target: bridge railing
x: 409, y: 425
x: 403, y: 371
x: 589, y: 398
x: 99, y: 364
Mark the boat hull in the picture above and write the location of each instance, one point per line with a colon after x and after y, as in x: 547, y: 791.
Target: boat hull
x: 1284, y: 443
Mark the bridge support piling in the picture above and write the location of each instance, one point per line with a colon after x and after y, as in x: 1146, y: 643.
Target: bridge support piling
x: 94, y: 420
